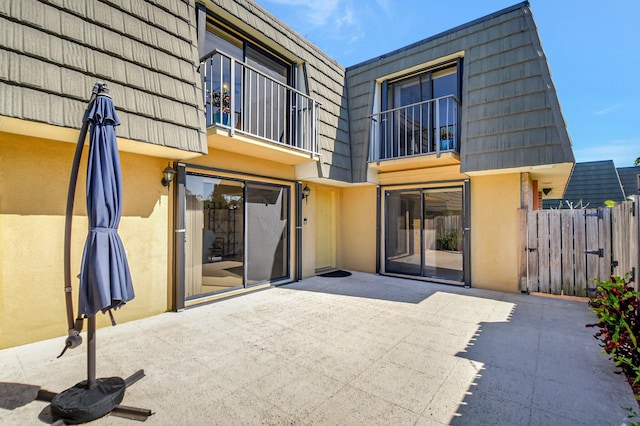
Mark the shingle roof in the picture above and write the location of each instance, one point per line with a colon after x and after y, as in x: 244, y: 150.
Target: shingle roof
x: 591, y: 183
x: 629, y: 179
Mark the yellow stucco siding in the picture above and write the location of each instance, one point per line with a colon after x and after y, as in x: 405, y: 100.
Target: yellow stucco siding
x: 310, y: 225
x: 494, y: 231
x: 245, y: 164
x: 357, y: 242
x: 34, y: 180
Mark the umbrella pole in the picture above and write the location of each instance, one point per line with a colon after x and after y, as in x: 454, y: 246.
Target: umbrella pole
x: 91, y: 351
x: 74, y: 328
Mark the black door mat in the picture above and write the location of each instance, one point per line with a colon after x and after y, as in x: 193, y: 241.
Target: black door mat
x: 335, y: 274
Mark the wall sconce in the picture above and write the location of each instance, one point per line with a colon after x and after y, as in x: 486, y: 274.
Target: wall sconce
x: 546, y: 191
x: 305, y: 193
x: 167, y: 176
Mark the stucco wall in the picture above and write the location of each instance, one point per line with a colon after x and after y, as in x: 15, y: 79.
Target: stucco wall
x: 494, y: 232
x: 34, y: 179
x: 357, y: 239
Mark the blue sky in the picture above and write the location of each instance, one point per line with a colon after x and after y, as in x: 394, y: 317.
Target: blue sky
x: 593, y: 50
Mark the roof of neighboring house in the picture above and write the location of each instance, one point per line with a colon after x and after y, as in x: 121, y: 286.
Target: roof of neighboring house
x: 629, y: 179
x: 591, y: 183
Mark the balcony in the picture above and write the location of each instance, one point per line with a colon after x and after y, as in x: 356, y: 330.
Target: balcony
x: 419, y: 134
x: 269, y: 115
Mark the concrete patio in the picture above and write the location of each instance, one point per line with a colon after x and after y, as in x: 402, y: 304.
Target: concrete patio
x: 359, y: 350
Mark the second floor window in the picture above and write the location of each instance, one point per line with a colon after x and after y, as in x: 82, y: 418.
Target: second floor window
x: 420, y: 112
x: 254, y: 88
x: 422, y: 87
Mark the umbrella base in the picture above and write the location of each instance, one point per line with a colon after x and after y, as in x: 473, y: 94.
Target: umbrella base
x: 82, y: 403
x: 75, y: 405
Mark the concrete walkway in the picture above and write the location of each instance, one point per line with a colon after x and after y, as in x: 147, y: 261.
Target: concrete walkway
x: 361, y: 350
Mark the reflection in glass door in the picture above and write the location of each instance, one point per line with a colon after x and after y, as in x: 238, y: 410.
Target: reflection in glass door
x: 214, y: 232
x: 424, y: 233
x: 267, y: 230
x: 227, y: 247
x: 442, y: 224
x: 402, y: 242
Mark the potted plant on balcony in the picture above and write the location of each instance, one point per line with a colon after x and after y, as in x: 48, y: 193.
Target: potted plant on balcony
x: 446, y: 138
x: 221, y: 102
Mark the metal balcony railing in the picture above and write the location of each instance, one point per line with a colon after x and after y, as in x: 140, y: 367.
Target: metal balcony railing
x: 428, y: 127
x: 245, y: 100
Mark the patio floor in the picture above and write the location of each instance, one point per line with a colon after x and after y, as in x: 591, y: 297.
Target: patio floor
x: 364, y: 349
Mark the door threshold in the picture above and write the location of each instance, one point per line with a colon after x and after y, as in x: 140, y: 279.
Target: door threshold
x: 325, y: 269
x: 224, y: 295
x: 425, y: 279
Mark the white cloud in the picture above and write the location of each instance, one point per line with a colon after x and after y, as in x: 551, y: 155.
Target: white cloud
x: 346, y: 18
x: 608, y: 109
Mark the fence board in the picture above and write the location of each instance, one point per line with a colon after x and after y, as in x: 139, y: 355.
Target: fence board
x: 580, y: 245
x: 625, y: 235
x: 522, y: 249
x: 618, y: 251
x: 543, y: 253
x: 634, y: 237
x: 557, y: 242
x: 555, y: 252
x: 532, y: 258
x: 604, y: 241
x: 568, y: 253
x: 593, y: 260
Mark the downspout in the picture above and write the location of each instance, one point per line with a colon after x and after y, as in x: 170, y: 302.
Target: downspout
x: 179, y: 237
x: 298, y: 276
x: 378, y: 227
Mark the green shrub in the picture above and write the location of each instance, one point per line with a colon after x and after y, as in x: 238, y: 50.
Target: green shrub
x: 448, y: 241
x: 616, y: 306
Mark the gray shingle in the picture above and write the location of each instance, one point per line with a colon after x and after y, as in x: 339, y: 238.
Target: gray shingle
x: 629, y: 179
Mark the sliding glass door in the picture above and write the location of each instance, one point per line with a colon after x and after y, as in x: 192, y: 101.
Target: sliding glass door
x: 236, y: 234
x: 268, y: 233
x: 402, y: 242
x: 214, y: 232
x: 424, y: 233
x: 442, y: 233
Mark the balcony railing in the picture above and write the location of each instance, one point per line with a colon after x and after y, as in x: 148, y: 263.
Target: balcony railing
x: 245, y: 100
x: 428, y: 127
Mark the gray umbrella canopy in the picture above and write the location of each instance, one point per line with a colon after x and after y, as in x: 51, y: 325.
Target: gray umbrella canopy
x: 105, y: 280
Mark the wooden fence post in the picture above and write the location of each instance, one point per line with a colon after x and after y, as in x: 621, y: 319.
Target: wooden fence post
x: 568, y: 252
x: 522, y: 249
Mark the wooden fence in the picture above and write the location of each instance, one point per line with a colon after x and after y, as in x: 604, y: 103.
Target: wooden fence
x: 563, y: 250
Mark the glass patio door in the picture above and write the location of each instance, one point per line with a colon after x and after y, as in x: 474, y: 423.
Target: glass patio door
x: 214, y: 233
x: 403, y: 242
x: 424, y: 233
x: 268, y: 233
x: 442, y: 233
x: 236, y: 234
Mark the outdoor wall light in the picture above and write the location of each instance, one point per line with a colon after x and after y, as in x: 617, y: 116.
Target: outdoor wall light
x: 305, y: 193
x: 167, y: 176
x: 546, y: 191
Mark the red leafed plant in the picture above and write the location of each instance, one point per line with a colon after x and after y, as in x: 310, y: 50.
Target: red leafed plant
x: 616, y: 306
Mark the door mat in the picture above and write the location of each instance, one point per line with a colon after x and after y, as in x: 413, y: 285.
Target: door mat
x: 335, y: 274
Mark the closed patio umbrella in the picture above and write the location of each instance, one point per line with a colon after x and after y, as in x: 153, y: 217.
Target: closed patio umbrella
x: 105, y: 280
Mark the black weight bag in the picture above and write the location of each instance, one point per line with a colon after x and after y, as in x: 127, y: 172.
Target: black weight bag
x: 81, y: 404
